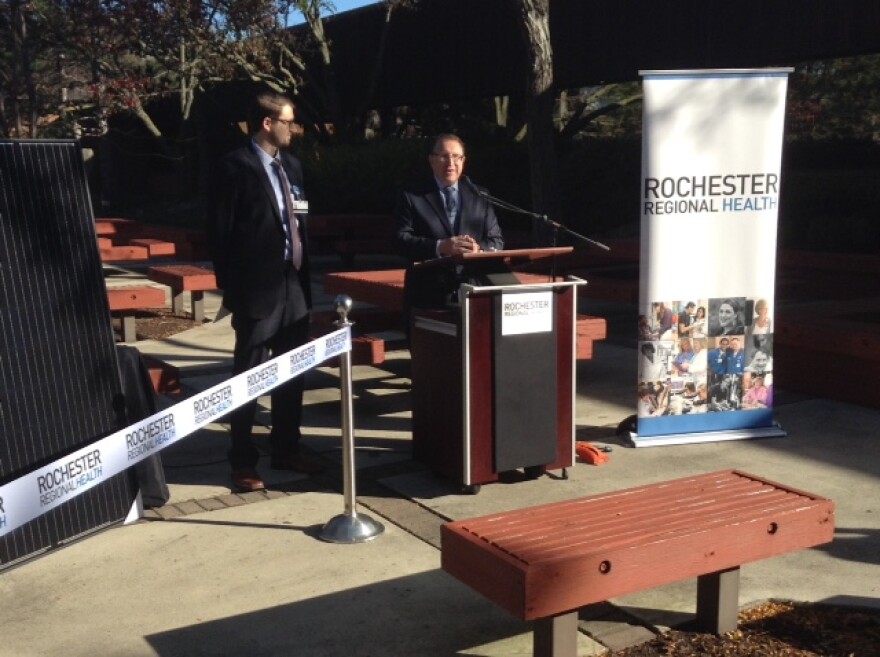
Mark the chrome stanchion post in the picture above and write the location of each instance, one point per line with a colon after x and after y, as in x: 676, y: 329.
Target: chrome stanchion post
x: 350, y: 527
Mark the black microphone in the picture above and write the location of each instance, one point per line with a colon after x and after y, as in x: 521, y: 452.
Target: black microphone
x: 476, y: 190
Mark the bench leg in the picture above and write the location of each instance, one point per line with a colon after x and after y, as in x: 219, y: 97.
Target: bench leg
x: 718, y: 601
x: 177, y: 301
x: 198, y: 304
x: 556, y: 636
x: 129, y: 334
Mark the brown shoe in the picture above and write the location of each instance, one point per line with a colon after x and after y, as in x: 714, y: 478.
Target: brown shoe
x: 246, y: 480
x: 298, y: 463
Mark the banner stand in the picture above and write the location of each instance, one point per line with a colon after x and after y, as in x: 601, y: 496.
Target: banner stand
x: 709, y: 200
x: 775, y: 431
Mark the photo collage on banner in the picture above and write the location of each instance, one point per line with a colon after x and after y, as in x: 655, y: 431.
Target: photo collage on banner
x: 705, y: 356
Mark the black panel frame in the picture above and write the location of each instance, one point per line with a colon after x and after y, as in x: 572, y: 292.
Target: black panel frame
x: 59, y: 379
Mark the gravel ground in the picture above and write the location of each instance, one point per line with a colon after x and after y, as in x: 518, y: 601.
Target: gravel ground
x: 159, y: 324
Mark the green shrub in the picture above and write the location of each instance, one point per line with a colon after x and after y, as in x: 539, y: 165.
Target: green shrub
x: 359, y: 178
x: 830, y: 210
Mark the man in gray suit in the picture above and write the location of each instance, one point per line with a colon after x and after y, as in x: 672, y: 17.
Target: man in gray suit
x: 444, y: 216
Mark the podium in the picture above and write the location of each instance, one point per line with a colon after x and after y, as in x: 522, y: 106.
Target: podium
x: 493, y: 373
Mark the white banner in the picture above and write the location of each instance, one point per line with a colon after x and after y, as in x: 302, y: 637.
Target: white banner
x: 37, y: 492
x: 711, y: 160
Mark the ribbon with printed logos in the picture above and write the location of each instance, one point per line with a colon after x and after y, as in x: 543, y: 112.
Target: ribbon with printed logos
x: 37, y: 492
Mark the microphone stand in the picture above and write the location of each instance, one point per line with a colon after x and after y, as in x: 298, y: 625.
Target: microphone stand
x: 504, y: 205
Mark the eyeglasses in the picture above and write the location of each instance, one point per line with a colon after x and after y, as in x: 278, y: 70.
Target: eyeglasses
x: 449, y: 157
x: 286, y: 122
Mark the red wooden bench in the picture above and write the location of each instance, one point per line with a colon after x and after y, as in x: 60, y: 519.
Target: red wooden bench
x: 185, y: 278
x: 543, y: 563
x: 188, y: 243
x: 125, y: 300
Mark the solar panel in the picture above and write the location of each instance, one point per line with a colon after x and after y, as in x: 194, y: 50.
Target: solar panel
x: 59, y: 381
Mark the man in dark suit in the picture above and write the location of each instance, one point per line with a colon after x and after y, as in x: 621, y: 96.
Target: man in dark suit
x: 259, y: 242
x: 444, y: 216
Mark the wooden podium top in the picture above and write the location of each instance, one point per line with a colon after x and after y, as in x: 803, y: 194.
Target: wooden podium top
x: 505, y: 256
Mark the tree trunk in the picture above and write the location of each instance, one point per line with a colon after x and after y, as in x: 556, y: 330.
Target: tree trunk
x: 19, y: 65
x: 544, y: 167
x: 502, y: 103
x: 376, y: 72
x: 146, y: 120
x: 312, y: 12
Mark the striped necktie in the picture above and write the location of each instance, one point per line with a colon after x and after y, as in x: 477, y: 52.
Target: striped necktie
x: 290, y: 224
x: 449, y: 196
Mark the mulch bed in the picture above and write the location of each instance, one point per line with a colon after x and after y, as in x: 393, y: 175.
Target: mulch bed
x: 777, y: 629
x: 160, y: 324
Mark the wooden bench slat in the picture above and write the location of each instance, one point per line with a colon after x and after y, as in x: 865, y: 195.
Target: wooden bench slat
x: 114, y: 226
x: 609, y: 504
x: 653, y: 508
x: 633, y: 521
x: 155, y: 247
x: 658, y: 517
x: 628, y: 531
x: 124, y: 253
x: 184, y: 277
x: 634, y: 533
x: 135, y: 298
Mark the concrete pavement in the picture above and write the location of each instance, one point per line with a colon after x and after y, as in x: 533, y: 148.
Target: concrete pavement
x: 213, y: 573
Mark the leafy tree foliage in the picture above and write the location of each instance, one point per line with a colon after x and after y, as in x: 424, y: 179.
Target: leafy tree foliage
x: 835, y: 99
x: 118, y: 56
x: 30, y: 69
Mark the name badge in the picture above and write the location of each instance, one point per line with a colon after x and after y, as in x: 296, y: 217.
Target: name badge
x: 301, y: 207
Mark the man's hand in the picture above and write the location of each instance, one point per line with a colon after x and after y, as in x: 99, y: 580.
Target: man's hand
x: 458, y: 244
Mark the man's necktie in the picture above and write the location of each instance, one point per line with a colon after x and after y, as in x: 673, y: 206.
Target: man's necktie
x: 290, y: 224
x: 449, y: 195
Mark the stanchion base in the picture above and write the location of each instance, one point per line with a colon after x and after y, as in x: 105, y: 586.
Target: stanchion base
x: 351, y: 529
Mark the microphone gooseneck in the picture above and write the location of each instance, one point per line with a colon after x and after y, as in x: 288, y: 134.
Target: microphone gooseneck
x: 476, y: 190
x: 504, y: 205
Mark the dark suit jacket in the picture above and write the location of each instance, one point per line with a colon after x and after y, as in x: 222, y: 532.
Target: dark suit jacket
x: 420, y: 221
x: 247, y: 238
